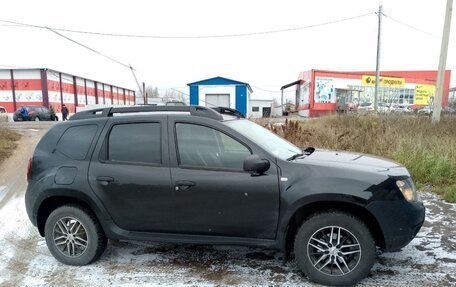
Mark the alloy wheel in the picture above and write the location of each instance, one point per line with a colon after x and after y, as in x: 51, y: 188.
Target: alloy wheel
x: 334, y: 251
x: 70, y: 237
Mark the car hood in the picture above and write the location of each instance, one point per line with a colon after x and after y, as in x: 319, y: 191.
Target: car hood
x: 343, y: 157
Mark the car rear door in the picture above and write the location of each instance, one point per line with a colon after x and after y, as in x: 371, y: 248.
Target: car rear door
x: 45, y: 115
x: 214, y: 196
x: 130, y: 173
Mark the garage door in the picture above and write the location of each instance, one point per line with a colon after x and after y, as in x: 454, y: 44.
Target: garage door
x: 218, y: 100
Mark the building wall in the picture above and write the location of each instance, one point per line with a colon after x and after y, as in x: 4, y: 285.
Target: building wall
x: 310, y: 104
x: 238, y: 95
x: 53, y: 85
x: 27, y: 88
x: 91, y: 92
x: 237, y: 91
x: 51, y: 88
x: 241, y: 99
x: 68, y: 92
x: 260, y: 104
x: 204, y: 90
x: 194, y: 95
x: 6, y: 91
x: 81, y: 92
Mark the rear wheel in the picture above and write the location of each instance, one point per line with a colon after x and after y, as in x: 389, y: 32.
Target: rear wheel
x: 74, y: 236
x: 334, y: 248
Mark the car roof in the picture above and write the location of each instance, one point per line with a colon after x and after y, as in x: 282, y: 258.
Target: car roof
x: 199, y: 111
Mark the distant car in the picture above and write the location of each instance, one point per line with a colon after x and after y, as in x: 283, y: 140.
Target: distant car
x: 36, y: 113
x: 175, y: 103
x: 366, y: 107
x: 401, y: 108
x: 384, y: 108
x: 170, y: 103
x: 425, y: 110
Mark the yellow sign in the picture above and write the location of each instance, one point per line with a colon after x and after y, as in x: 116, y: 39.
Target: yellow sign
x: 384, y: 81
x: 423, y: 94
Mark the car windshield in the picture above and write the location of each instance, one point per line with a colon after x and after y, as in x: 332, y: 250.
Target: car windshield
x: 269, y: 141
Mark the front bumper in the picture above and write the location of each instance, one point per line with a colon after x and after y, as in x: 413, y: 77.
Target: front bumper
x: 400, y: 221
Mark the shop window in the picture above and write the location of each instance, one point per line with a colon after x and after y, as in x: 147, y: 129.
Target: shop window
x: 255, y: 109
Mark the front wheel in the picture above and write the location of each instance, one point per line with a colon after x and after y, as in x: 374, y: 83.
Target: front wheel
x: 74, y: 236
x: 334, y: 248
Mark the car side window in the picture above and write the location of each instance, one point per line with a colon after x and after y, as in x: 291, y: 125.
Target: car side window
x: 135, y: 142
x: 75, y: 141
x: 201, y: 146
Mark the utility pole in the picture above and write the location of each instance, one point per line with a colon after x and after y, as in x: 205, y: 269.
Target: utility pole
x: 144, y: 93
x: 377, y: 66
x: 281, y: 101
x: 442, y: 63
x: 136, y: 79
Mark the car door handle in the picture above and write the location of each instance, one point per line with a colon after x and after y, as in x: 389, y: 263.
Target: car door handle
x: 105, y: 180
x: 184, y: 184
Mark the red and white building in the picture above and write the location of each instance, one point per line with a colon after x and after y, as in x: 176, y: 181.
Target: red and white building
x: 320, y: 92
x: 46, y: 87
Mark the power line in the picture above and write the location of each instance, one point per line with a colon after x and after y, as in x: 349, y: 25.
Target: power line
x: 88, y: 48
x: 258, y: 33
x: 273, y: 91
x: 411, y: 27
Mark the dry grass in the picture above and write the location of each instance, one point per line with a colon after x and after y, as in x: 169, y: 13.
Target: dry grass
x: 427, y: 150
x: 8, y: 142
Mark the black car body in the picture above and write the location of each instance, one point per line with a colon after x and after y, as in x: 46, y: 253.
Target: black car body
x: 36, y: 113
x: 191, y: 175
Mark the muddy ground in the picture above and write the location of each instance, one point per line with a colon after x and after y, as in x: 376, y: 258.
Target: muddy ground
x: 429, y: 260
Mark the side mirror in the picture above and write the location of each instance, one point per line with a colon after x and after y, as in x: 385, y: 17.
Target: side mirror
x: 256, y: 165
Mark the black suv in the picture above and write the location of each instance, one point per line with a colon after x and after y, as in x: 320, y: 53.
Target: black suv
x: 193, y: 175
x: 35, y: 113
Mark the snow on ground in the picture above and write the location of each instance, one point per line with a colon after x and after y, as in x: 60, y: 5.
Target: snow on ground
x: 429, y: 260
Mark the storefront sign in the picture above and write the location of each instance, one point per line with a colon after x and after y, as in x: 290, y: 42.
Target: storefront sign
x: 324, y: 90
x: 384, y: 81
x: 424, y: 94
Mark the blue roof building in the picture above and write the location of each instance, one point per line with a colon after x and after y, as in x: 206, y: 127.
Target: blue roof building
x: 221, y: 92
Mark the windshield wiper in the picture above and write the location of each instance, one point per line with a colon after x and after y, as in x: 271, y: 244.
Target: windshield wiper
x: 306, y: 151
x: 295, y: 156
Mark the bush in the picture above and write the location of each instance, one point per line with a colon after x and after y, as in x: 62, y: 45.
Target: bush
x: 448, y: 192
x: 8, y: 142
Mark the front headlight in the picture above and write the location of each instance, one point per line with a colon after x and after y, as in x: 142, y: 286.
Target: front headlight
x: 408, y: 189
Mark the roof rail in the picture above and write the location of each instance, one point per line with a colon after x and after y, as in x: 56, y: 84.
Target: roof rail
x: 108, y: 112
x: 90, y: 114
x: 229, y: 111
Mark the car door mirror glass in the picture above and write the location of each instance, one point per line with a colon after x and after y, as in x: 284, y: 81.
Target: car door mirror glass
x: 255, y: 164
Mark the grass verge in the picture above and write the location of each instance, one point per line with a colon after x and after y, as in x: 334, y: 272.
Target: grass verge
x: 8, y: 142
x: 427, y: 150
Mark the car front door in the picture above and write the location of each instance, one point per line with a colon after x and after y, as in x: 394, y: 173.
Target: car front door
x: 214, y: 195
x: 130, y: 174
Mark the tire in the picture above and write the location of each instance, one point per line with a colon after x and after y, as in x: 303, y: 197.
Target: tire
x: 333, y: 271
x: 89, y: 234
x: 37, y: 119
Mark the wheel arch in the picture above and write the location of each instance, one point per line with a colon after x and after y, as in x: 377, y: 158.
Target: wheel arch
x: 305, y: 211
x: 53, y: 202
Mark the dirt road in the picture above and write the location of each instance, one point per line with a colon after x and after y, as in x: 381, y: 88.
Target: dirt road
x: 430, y: 260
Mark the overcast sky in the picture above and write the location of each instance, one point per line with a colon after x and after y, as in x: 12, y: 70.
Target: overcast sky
x: 264, y: 61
